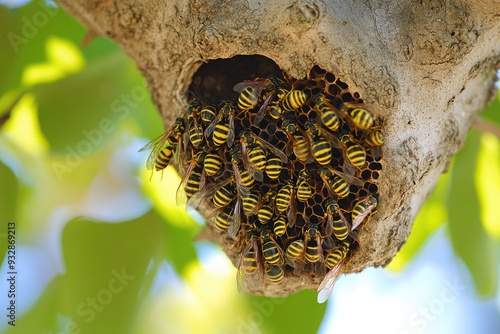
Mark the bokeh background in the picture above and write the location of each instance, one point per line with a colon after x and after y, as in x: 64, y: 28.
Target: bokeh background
x: 102, y: 249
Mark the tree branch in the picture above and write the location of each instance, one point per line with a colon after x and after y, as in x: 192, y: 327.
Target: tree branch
x: 430, y: 65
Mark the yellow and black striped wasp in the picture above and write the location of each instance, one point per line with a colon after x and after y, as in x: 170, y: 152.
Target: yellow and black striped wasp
x: 334, y: 261
x: 285, y: 201
x: 336, y: 221
x: 222, y: 127
x: 313, y: 252
x: 254, y: 153
x: 338, y: 183
x: 294, y: 254
x: 250, y: 262
x: 165, y: 147
x: 194, y: 128
x: 329, y: 115
x: 271, y: 251
x: 355, y: 153
x: 193, y: 180
x: 359, y: 114
x: 244, y: 178
x: 362, y: 209
x: 297, y: 141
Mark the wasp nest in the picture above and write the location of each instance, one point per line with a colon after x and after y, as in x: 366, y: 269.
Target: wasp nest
x: 290, y: 168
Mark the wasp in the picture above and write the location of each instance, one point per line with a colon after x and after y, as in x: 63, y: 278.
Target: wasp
x: 320, y: 146
x: 355, y: 153
x: 285, y: 201
x: 250, y: 203
x: 274, y: 166
x: 296, y: 141
x: 194, y: 129
x: 295, y: 254
x: 222, y: 126
x: 334, y: 261
x: 193, y: 180
x: 294, y: 99
x: 272, y: 104
x: 375, y: 139
x: 254, y: 156
x: 213, y: 163
x: 270, y: 249
x: 279, y: 226
x: 359, y: 114
x: 336, y: 220
x: 266, y: 207
x: 223, y: 219
x: 224, y: 194
x: 362, y: 209
x: 244, y: 179
x: 313, y: 252
x: 250, y: 91
x: 304, y: 189
x: 274, y: 109
x: 229, y: 218
x: 207, y: 114
x: 328, y: 113
x: 274, y: 272
x: 161, y: 155
x: 250, y: 142
x: 337, y: 182
x: 250, y: 264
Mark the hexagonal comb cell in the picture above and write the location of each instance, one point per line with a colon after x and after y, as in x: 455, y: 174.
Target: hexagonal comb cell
x: 290, y: 165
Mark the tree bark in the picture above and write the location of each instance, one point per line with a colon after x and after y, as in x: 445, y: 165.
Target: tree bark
x: 430, y: 65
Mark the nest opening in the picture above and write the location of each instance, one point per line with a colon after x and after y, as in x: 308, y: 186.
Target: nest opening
x: 214, y: 80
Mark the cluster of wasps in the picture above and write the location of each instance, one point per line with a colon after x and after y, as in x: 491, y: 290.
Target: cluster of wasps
x: 289, y: 167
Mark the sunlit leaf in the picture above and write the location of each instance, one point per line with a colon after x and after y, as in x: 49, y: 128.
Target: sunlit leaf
x: 33, y: 25
x: 108, y: 263
x: 8, y: 203
x: 274, y: 315
x: 492, y: 112
x: 41, y: 317
x: 488, y: 183
x: 9, y: 23
x: 468, y: 236
x: 23, y: 126
x: 181, y: 227
x: 92, y: 103
x: 431, y: 216
x: 63, y: 58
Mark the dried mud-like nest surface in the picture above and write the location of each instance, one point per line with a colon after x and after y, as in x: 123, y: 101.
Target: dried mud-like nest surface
x: 429, y: 65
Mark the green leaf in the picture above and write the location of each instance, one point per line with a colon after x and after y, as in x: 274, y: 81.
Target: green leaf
x: 31, y: 26
x: 41, y: 317
x: 468, y: 236
x: 9, y: 193
x: 88, y: 107
x: 106, y: 267
x: 9, y: 23
x: 488, y: 183
x: 275, y: 315
x: 492, y: 112
x: 431, y: 216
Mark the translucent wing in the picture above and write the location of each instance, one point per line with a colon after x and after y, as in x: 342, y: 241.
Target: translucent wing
x: 272, y: 149
x: 156, y: 145
x: 326, y: 286
x: 349, y: 178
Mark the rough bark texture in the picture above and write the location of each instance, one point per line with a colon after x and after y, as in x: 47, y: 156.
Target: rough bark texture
x: 430, y: 64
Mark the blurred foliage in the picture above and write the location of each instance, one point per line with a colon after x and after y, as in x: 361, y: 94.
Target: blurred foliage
x: 73, y: 181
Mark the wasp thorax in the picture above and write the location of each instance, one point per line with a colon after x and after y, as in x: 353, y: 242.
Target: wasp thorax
x: 286, y: 164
